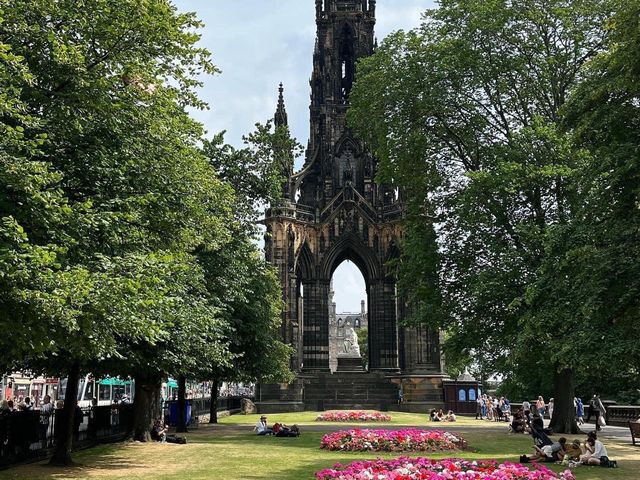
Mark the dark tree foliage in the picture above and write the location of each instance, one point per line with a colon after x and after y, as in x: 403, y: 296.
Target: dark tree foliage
x: 466, y: 115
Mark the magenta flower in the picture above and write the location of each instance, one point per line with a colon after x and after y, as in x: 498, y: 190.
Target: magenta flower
x: 353, y: 416
x: 405, y: 440
x: 448, y: 469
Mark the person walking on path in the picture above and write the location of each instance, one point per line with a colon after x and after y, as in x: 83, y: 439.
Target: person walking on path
x: 540, y: 406
x: 579, y: 411
x: 596, y: 408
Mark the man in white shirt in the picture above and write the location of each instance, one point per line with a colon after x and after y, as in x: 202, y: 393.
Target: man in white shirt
x: 262, y: 428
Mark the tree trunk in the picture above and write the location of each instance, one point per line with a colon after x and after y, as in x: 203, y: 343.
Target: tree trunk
x: 213, y: 409
x: 146, y: 406
x: 564, y: 413
x: 181, y: 425
x: 64, y: 429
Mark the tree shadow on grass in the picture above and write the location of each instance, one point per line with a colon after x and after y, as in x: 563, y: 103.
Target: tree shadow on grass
x: 79, y: 471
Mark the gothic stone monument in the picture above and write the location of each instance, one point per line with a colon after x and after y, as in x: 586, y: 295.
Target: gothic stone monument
x: 334, y: 211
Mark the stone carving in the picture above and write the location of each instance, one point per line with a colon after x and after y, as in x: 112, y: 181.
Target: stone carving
x: 350, y: 344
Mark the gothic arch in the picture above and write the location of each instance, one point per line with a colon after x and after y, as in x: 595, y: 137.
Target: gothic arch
x: 350, y: 247
x: 347, y: 141
x: 304, y: 263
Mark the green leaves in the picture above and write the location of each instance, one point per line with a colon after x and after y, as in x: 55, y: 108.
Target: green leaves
x: 117, y: 232
x: 464, y: 114
x: 104, y: 193
x: 257, y: 172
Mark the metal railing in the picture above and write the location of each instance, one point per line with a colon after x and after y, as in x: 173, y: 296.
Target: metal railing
x: 27, y: 435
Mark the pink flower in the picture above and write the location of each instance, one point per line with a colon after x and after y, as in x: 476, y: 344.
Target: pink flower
x: 405, y: 440
x: 353, y: 416
x: 447, y: 469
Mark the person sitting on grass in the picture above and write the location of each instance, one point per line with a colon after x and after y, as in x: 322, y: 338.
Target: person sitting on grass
x: 519, y: 423
x: 261, y: 427
x: 450, y: 417
x: 550, y: 453
x: 596, y: 453
x: 159, y: 431
x: 433, y: 416
x: 573, y: 452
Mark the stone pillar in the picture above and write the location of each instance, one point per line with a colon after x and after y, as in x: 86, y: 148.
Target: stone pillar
x: 421, y: 350
x: 383, y: 330
x: 316, y: 326
x: 419, y: 346
x: 294, y: 319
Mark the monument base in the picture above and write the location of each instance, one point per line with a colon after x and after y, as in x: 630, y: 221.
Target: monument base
x: 421, y: 392
x: 349, y: 364
x: 353, y: 390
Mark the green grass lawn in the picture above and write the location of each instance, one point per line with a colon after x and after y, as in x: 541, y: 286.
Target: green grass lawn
x: 231, y: 451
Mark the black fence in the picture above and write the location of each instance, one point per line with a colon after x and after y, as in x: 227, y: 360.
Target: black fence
x: 197, y: 407
x: 26, y: 435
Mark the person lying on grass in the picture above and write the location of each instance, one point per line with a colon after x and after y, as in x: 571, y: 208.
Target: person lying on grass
x: 281, y: 430
x: 548, y: 453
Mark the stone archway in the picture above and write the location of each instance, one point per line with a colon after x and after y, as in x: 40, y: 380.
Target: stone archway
x: 383, y: 329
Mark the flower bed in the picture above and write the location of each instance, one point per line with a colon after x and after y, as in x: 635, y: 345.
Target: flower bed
x: 448, y: 469
x: 406, y: 440
x: 353, y: 416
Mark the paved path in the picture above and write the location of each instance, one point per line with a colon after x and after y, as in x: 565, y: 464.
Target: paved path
x: 619, y: 434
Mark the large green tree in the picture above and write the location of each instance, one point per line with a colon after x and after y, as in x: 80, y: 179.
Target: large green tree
x: 249, y: 287
x: 121, y: 193
x: 590, y: 276
x: 253, y: 306
x: 462, y: 113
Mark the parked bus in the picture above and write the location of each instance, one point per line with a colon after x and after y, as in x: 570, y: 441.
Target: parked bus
x: 106, y: 391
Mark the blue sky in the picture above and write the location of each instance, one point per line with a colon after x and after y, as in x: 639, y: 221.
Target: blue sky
x: 258, y: 44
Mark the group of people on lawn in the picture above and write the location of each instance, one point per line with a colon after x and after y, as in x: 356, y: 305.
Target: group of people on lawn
x: 590, y: 452
x: 440, y: 416
x: 532, y: 416
x: 493, y: 408
x: 278, y: 429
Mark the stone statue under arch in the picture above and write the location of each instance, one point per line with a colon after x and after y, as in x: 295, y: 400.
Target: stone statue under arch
x: 350, y: 343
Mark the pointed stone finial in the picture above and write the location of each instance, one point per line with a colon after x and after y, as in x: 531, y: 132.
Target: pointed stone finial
x: 466, y: 376
x: 280, y: 117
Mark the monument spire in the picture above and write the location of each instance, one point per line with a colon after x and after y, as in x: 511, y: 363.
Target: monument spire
x: 280, y: 118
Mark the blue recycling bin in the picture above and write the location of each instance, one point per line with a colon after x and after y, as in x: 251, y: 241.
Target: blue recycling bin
x: 173, y: 413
